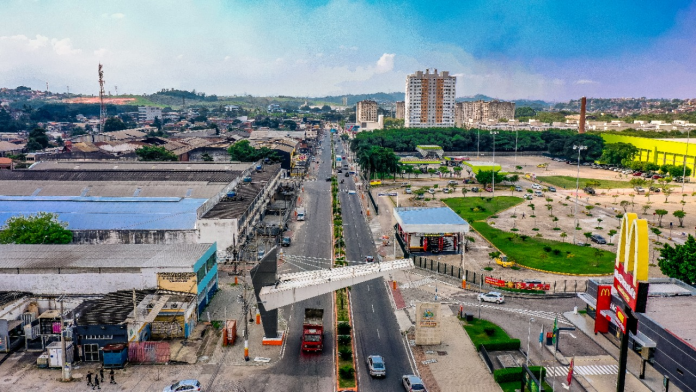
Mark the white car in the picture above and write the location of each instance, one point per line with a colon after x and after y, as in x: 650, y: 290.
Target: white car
x: 493, y: 296
x: 351, y: 192
x: 536, y: 186
x: 431, y: 191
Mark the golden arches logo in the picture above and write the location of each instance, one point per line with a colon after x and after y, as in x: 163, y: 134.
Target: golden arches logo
x: 605, y: 292
x: 633, y: 249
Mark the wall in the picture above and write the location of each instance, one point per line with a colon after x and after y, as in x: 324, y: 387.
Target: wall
x: 134, y: 236
x: 658, y: 151
x: 221, y: 231
x: 178, y: 281
x: 80, y: 283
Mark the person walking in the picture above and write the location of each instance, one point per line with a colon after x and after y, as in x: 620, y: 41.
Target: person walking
x: 101, y: 373
x: 111, y: 376
x: 96, y: 382
x: 89, y: 378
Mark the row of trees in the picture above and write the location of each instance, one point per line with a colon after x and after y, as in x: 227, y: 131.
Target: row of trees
x: 244, y: 152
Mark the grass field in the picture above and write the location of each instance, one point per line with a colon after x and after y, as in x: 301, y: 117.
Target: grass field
x: 568, y: 182
x: 476, y: 330
x: 530, y: 252
x: 480, y: 208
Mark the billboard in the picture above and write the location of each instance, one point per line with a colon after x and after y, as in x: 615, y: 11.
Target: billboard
x: 632, y: 258
x: 517, y: 285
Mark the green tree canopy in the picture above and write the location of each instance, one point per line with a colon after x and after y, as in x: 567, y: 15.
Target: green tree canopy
x: 37, y: 140
x: 243, y: 151
x: 619, y: 153
x: 114, y: 124
x: 378, y: 160
x: 155, y: 153
x: 42, y: 228
x: 679, y: 262
x: 485, y: 177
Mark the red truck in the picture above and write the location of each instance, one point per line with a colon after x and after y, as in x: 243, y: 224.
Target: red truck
x: 313, y: 330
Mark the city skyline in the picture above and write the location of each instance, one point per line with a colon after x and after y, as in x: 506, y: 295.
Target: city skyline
x: 507, y: 51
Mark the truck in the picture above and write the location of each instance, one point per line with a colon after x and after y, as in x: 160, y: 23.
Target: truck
x: 313, y: 330
x: 300, y: 214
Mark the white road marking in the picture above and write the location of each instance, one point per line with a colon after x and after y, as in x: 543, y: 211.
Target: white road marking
x: 378, y: 334
x: 373, y: 308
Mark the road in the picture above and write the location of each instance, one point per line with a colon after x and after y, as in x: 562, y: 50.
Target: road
x: 375, y: 325
x: 298, y: 371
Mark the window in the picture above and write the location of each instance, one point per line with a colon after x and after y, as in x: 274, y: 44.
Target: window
x: 211, y: 261
x: 91, y: 352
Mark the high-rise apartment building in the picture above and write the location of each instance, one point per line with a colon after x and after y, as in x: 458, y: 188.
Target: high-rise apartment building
x: 480, y: 111
x: 400, y: 109
x: 429, y: 99
x: 366, y: 111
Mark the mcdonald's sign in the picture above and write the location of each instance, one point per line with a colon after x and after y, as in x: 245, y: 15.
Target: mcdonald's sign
x: 632, y: 258
x: 603, y: 303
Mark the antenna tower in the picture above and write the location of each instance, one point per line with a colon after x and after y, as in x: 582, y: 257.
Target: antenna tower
x: 102, y: 108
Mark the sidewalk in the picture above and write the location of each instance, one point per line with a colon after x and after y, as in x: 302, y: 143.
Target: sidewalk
x: 653, y: 378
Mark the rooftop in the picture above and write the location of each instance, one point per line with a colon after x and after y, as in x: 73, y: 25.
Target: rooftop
x: 235, y: 207
x: 676, y: 315
x: 108, y: 213
x: 140, y: 166
x: 101, y: 256
x: 117, y: 173
x: 112, y: 308
x: 430, y: 220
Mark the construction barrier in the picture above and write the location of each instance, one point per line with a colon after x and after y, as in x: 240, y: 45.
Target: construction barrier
x: 148, y: 352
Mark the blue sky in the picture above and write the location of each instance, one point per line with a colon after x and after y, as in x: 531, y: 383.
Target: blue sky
x: 553, y: 50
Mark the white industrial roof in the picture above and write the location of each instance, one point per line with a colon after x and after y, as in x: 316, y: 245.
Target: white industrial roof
x: 430, y: 220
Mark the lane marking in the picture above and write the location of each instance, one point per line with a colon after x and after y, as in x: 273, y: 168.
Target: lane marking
x: 373, y: 307
x: 378, y: 334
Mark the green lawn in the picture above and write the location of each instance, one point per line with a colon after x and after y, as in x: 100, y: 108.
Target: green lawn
x: 479, y: 208
x: 476, y: 330
x: 568, y: 182
x: 530, y: 252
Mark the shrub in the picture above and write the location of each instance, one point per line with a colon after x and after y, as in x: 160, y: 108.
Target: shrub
x: 346, y: 372
x: 343, y: 340
x: 535, y: 229
x: 556, y: 252
x: 557, y: 228
x: 343, y: 328
x: 547, y: 249
x: 515, y: 374
x: 488, y: 268
x: 502, y: 345
x: 346, y: 354
x: 489, y: 331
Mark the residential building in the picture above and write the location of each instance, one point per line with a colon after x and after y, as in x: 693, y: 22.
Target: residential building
x: 366, y: 111
x: 400, y: 109
x: 481, y: 111
x: 147, y: 114
x: 430, y: 99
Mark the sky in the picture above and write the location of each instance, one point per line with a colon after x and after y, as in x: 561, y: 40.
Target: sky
x: 507, y: 49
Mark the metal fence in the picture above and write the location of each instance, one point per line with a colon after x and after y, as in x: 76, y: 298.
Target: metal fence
x: 479, y: 279
x: 148, y: 352
x: 369, y: 193
x: 486, y: 358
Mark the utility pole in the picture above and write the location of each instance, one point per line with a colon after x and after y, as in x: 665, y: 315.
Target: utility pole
x: 67, y: 376
x: 245, y: 307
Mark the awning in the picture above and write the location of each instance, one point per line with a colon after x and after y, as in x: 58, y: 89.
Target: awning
x: 643, y: 340
x: 588, y: 299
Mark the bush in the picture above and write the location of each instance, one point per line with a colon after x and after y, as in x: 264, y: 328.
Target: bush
x: 346, y: 354
x: 556, y: 252
x: 343, y: 340
x: 489, y: 331
x: 343, y: 328
x: 547, y: 249
x: 346, y: 372
x: 516, y: 373
x: 502, y: 345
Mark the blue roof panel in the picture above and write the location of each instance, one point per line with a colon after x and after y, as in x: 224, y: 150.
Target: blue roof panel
x: 429, y: 216
x: 112, y: 213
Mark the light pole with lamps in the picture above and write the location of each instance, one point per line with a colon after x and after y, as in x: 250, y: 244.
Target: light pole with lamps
x: 529, y: 334
x: 494, y: 133
x: 688, y: 131
x: 577, y: 188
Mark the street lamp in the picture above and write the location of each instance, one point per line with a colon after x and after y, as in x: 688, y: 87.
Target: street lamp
x: 516, y: 134
x: 685, y: 154
x: 577, y: 188
x: 494, y: 133
x: 529, y: 334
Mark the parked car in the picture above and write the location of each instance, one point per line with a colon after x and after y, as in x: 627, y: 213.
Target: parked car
x: 475, y: 189
x: 552, y: 189
x: 340, y: 171
x: 261, y: 253
x: 413, y: 383
x: 376, y: 366
x: 451, y: 182
x: 392, y: 194
x: 369, y: 259
x: 347, y: 174
x: 408, y: 191
x: 492, y: 296
x: 489, y: 189
x: 447, y: 190
x: 536, y: 186
x: 639, y: 189
x: 184, y: 386
x: 637, y: 174
x: 431, y: 191
x: 596, y: 238
x: 420, y: 197
x: 656, y: 177
x: 533, y: 281
x: 518, y: 189
x: 528, y: 196
x: 654, y: 189
x: 286, y: 241
x: 588, y: 190
x: 538, y: 193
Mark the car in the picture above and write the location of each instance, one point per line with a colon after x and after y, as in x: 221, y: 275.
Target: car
x: 538, y: 193
x: 351, y: 192
x: 347, y: 174
x: 420, y: 197
x: 654, y: 189
x: 451, y: 182
x: 339, y: 171
x: 637, y: 174
x: 447, y: 190
x: 431, y: 191
x: 492, y: 296
x: 184, y: 386
x: 392, y: 194
x: 261, y: 254
x: 518, y: 188
x: 536, y: 186
x: 598, y: 239
x: 489, y: 189
x: 639, y: 189
x: 475, y: 189
x: 413, y: 383
x: 528, y: 196
x: 381, y: 194
x: 328, y: 179
x: 551, y: 189
x: 376, y: 366
x: 286, y: 241
x: 408, y: 191
x: 533, y: 281
x: 369, y: 259
x: 588, y: 190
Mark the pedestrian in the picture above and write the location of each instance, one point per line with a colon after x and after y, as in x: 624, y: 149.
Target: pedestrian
x: 523, y: 215
x: 96, y: 382
x: 89, y: 379
x: 111, y: 376
x: 101, y: 373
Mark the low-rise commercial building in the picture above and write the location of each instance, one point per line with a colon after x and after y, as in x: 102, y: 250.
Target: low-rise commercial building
x: 430, y: 229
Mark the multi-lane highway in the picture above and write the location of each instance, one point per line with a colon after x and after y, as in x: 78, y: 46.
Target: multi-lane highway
x: 375, y: 325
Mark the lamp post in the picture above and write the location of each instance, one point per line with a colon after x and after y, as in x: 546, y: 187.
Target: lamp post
x: 688, y: 131
x: 494, y: 133
x: 529, y: 334
x: 516, y: 134
x: 577, y: 188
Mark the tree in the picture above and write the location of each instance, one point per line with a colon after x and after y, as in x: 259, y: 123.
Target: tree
x: 114, y: 124
x: 37, y: 140
x: 618, y: 153
x: 458, y: 170
x: 660, y: 214
x: 624, y: 204
x: 443, y: 169
x: 326, y: 108
x: 587, y: 235
x: 59, y: 141
x: 512, y: 178
x: 485, y: 177
x: 667, y: 192
x: 206, y: 157
x: 464, y: 191
x: 564, y: 235
x: 157, y: 123
x: 612, y: 233
x: 345, y: 137
x: 680, y: 214
x: 431, y: 171
x: 42, y: 228
x: 679, y: 261
x: 155, y: 153
x: 645, y: 209
x: 512, y: 190
x: 243, y: 151
x: 636, y: 182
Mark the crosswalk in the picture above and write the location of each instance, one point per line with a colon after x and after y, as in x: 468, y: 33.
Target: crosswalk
x: 585, y: 370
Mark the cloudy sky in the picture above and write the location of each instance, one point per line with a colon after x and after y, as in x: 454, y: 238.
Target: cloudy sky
x: 553, y: 50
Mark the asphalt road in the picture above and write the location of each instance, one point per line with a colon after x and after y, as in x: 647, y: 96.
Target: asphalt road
x: 298, y: 371
x: 375, y: 325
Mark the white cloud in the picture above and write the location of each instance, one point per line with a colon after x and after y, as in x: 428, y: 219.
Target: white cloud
x: 118, y: 15
x: 25, y: 42
x: 586, y: 81
x: 227, y: 58
x: 100, y: 52
x: 64, y: 47
x: 385, y: 63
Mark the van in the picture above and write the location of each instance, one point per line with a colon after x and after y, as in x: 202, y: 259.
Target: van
x: 300, y: 214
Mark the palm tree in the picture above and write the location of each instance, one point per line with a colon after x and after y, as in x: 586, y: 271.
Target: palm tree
x: 512, y: 190
x: 564, y: 235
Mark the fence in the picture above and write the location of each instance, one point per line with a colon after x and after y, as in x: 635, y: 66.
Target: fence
x: 486, y: 358
x: 148, y: 352
x: 369, y: 193
x: 557, y: 287
x: 402, y: 244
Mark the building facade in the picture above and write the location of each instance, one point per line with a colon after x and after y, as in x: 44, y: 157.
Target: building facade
x: 400, y: 110
x: 430, y: 99
x: 481, y: 111
x: 147, y: 114
x: 366, y: 111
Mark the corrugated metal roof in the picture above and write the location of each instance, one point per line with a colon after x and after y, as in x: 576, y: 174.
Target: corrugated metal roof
x: 101, y: 256
x: 105, y: 213
x: 139, y: 165
x: 430, y: 220
x: 116, y: 175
